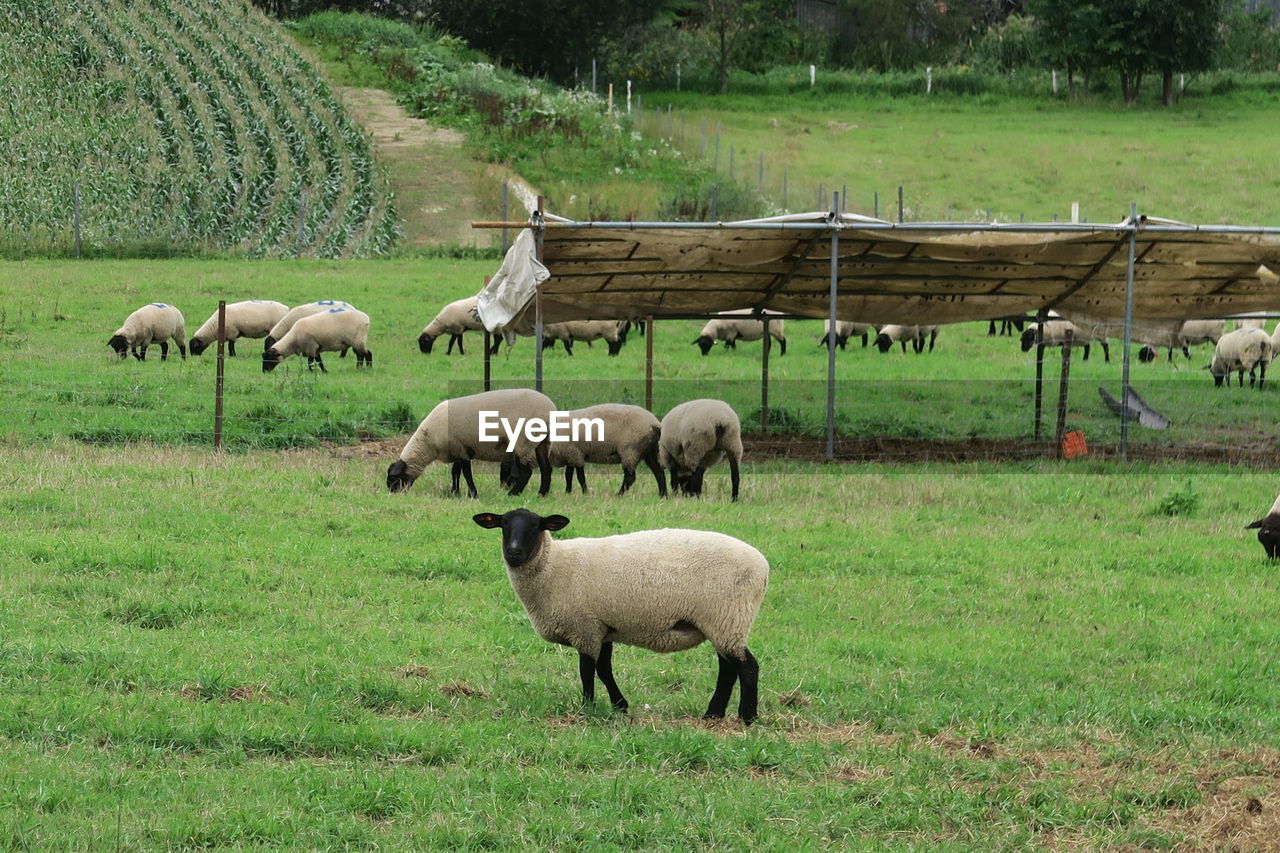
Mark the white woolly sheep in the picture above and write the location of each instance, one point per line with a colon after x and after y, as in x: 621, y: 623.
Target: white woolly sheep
x: 455, y: 318
x: 844, y: 331
x: 296, y: 313
x: 917, y: 335
x: 250, y: 319
x: 337, y: 329
x: 629, y: 434
x: 1243, y: 349
x: 662, y: 590
x: 1190, y: 333
x: 155, y: 323
x: 1054, y: 334
x: 1247, y: 321
x: 740, y: 325
x: 696, y: 435
x: 1268, y: 528
x: 450, y: 433
x: 586, y: 331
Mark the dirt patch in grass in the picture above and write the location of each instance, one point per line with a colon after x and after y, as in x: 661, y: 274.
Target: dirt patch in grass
x: 458, y: 689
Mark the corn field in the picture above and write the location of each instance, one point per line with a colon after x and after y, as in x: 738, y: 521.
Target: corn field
x: 189, y: 124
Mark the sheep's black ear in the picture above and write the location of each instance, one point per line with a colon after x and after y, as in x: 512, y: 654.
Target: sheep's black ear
x: 555, y: 522
x: 487, y: 520
x: 1255, y: 525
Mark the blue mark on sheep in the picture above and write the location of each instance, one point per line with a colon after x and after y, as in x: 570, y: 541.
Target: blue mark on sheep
x: 159, y: 305
x: 336, y: 310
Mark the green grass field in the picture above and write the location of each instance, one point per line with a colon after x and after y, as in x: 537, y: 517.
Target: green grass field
x: 264, y: 649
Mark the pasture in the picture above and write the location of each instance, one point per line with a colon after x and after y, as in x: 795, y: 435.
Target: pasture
x: 263, y: 649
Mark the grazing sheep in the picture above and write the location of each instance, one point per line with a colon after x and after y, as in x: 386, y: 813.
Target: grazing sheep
x: 917, y: 335
x: 1007, y: 325
x: 451, y: 433
x: 587, y: 331
x: 1243, y: 349
x: 454, y: 319
x: 151, y: 324
x: 296, y: 313
x: 1191, y: 332
x: 733, y: 326
x: 1054, y: 334
x: 844, y: 331
x: 331, y: 331
x: 695, y: 436
x: 1247, y: 321
x: 663, y: 590
x: 1268, y: 528
x: 250, y: 319
x: 630, y: 435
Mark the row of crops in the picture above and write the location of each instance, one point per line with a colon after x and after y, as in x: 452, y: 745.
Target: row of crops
x: 178, y: 124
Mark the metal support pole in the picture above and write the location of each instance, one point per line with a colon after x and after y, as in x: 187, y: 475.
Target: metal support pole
x: 218, y: 382
x: 537, y: 308
x: 1040, y: 320
x: 1128, y: 332
x: 1062, y: 391
x: 505, y: 216
x: 831, y: 339
x: 488, y: 374
x: 764, y: 378
x: 901, y: 208
x: 648, y: 364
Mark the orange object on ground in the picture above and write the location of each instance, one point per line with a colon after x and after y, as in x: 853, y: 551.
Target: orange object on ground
x: 1073, y: 445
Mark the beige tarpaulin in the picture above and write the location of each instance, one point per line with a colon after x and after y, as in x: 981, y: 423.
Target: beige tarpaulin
x: 906, y: 273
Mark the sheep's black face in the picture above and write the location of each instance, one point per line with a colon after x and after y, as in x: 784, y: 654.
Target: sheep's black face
x: 1028, y: 339
x: 425, y: 342
x: 397, y: 479
x: 705, y: 343
x: 1147, y: 354
x: 615, y: 347
x: 883, y: 342
x: 268, y: 343
x: 197, y: 346
x: 120, y: 344
x: 270, y: 360
x: 521, y: 532
x: 1268, y: 534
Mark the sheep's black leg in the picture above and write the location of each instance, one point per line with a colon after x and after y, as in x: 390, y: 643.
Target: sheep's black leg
x: 568, y: 346
x: 724, y: 688
x: 651, y: 459
x: 864, y: 339
x: 748, y: 684
x: 587, y: 673
x: 164, y: 350
x: 933, y: 336
x: 1106, y: 352
x: 497, y: 342
x: 1086, y: 353
x: 991, y: 328
x: 471, y: 484
x: 904, y: 345
x: 182, y: 349
x: 457, y: 474
x: 140, y: 353
x: 582, y: 476
x: 1262, y: 374
x: 782, y: 346
x: 628, y: 478
x: 1185, y: 351
x: 568, y: 479
x: 231, y: 350
x: 604, y: 669
x: 733, y: 476
x: 544, y: 469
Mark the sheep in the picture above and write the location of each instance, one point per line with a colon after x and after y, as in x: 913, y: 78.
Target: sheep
x: 451, y: 433
x: 587, y: 331
x: 1007, y: 325
x: 1243, y: 349
x: 250, y: 319
x: 1191, y: 332
x: 733, y: 326
x: 664, y: 590
x: 333, y: 330
x: 151, y: 324
x: 1268, y: 528
x: 455, y: 318
x: 630, y: 434
x: 901, y: 334
x: 696, y: 435
x: 296, y: 313
x: 844, y: 331
x: 1055, y: 335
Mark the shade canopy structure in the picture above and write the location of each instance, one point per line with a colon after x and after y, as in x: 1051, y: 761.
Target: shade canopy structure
x: 890, y: 272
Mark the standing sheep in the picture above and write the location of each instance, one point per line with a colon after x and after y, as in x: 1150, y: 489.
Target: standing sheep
x: 296, y: 313
x: 451, y: 434
x: 613, y: 331
x: 1054, y: 334
x: 695, y: 436
x: 250, y: 319
x: 151, y: 324
x: 1243, y: 349
x: 917, y: 335
x: 663, y: 590
x: 1191, y: 332
x: 629, y: 435
x: 733, y: 326
x: 1268, y: 528
x: 454, y: 319
x: 844, y: 331
x: 334, y: 330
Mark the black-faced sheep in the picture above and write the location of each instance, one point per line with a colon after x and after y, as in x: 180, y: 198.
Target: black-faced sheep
x: 455, y: 318
x: 733, y: 326
x: 337, y: 329
x: 452, y: 433
x: 296, y: 313
x: 155, y: 323
x: 1190, y: 333
x: 1268, y: 528
x: 628, y: 436
x: 663, y: 590
x: 696, y: 435
x: 1054, y: 334
x: 844, y: 331
x: 586, y: 331
x: 1243, y: 349
x: 917, y: 335
x: 253, y: 318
